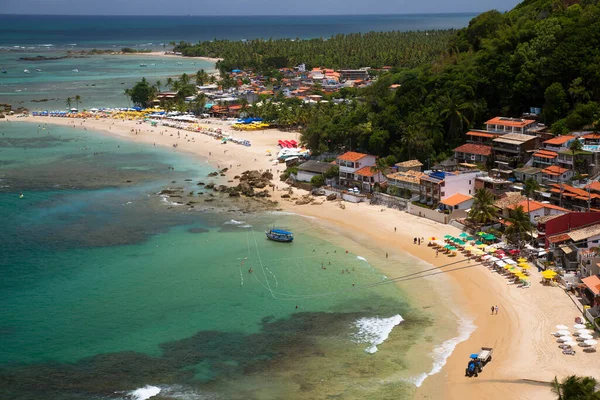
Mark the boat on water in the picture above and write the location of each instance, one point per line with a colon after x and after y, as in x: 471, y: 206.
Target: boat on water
x: 38, y: 70
x: 75, y: 70
x: 179, y: 63
x: 143, y: 65
x: 280, y: 235
x: 26, y: 71
x: 3, y: 71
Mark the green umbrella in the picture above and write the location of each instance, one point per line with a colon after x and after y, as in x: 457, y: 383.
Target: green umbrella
x: 451, y: 248
x: 448, y: 236
x: 479, y: 242
x: 463, y: 234
x: 447, y: 246
x: 457, y: 241
x: 480, y: 233
x: 470, y: 238
x: 489, y: 236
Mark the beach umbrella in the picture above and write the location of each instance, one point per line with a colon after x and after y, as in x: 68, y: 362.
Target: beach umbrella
x: 586, y: 336
x: 458, y: 241
x: 562, y: 327
x: 522, y: 260
x: 564, y: 332
x: 447, y: 246
x: 448, y: 236
x: 452, y: 248
x: 565, y: 338
x: 432, y: 238
x: 480, y: 233
x: 579, y: 326
x: 463, y: 235
x: 585, y: 331
x: 590, y: 342
x: 548, y: 274
x: 481, y: 246
x: 523, y: 265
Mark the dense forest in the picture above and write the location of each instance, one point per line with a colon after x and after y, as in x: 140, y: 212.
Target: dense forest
x: 543, y: 53
x: 374, y: 49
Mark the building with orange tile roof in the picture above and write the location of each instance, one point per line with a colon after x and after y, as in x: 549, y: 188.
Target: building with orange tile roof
x: 535, y: 209
x: 556, y: 174
x: 472, y: 153
x: 351, y: 163
x: 458, y: 201
x: 559, y: 143
x: 593, y: 187
x: 504, y: 125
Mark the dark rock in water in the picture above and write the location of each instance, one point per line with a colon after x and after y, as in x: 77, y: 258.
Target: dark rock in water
x: 222, y: 174
x: 229, y: 181
x: 208, y: 200
x: 211, y: 195
x: 224, y: 170
x: 213, y: 174
x: 169, y: 191
x: 234, y: 194
x: 210, y: 185
x: 264, y: 193
x: 200, y: 183
x: 260, y: 184
x: 285, y: 196
x: 41, y: 58
x: 330, y: 197
x: 236, y: 177
x: 173, y: 181
x: 128, y: 181
x: 200, y: 193
x: 222, y: 188
x: 188, y: 180
x: 198, y: 230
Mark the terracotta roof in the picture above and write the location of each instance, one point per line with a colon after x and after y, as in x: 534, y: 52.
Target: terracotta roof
x: 567, y: 189
x: 559, y: 140
x: 545, y: 154
x: 535, y: 205
x: 558, y: 238
x: 518, y: 122
x: 594, y: 135
x: 594, y: 186
x: 592, y: 283
x: 554, y: 170
x: 409, y: 164
x: 471, y: 148
x: 351, y: 156
x: 456, y: 199
x: 482, y: 134
x: 366, y: 171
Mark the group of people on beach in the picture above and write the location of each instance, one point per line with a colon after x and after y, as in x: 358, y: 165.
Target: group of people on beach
x: 494, y: 310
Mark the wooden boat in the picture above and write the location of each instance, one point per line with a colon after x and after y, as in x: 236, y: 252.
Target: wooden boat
x: 279, y: 235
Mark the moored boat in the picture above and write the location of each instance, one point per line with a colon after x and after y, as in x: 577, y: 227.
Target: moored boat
x: 280, y: 235
x: 26, y: 71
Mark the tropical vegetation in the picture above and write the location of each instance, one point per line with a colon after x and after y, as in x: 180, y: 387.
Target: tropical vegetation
x: 483, y: 210
x: 519, y: 225
x: 576, y: 388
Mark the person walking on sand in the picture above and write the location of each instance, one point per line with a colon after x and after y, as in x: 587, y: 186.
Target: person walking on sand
x: 493, y: 310
x: 437, y: 252
x: 496, y: 309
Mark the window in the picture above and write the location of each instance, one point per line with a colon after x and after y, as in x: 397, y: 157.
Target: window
x: 443, y: 194
x: 469, y: 182
x: 469, y: 191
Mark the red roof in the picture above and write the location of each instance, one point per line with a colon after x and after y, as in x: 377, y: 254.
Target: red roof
x: 554, y: 170
x: 366, y: 171
x: 545, y: 154
x: 559, y: 238
x: 535, y: 205
x: 472, y: 148
x: 351, y: 156
x: 594, y: 135
x: 595, y: 186
x: 559, y: 140
x: 510, y: 122
x: 456, y: 199
x: 592, y: 283
x: 482, y: 134
x: 568, y: 190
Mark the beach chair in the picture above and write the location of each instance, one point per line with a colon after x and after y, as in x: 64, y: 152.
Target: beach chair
x: 569, y: 352
x: 590, y: 350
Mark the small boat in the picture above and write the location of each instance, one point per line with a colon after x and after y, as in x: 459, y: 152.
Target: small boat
x: 279, y: 235
x: 26, y: 71
x: 179, y: 63
x: 3, y: 71
x: 143, y: 65
x: 38, y: 70
x: 75, y: 70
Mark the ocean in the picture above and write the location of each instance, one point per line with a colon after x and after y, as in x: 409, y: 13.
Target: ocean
x: 101, y: 80
x: 111, y: 291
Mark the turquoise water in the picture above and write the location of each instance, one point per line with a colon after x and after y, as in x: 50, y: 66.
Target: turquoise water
x: 106, y: 288
x: 101, y: 80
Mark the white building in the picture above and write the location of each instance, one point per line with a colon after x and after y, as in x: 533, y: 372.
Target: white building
x: 440, y: 185
x: 353, y: 171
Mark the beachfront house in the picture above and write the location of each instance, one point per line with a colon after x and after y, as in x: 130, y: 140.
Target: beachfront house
x: 439, y: 185
x: 544, y: 158
x: 481, y: 137
x: 496, y: 186
x: 574, y: 198
x: 559, y: 143
x: 356, y: 171
x: 513, y: 148
x: 408, y: 182
x: 473, y: 153
x: 504, y: 125
x: 535, y: 209
x: 410, y: 165
x: 311, y: 168
x: 457, y: 201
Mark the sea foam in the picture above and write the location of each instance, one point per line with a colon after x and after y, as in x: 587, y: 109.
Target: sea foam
x: 375, y: 330
x: 234, y: 222
x: 441, y: 353
x: 144, y: 393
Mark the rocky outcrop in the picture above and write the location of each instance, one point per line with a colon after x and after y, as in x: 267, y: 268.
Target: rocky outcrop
x: 331, y: 197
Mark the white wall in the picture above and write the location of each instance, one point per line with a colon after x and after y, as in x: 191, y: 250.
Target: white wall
x: 462, y: 183
x: 305, y: 176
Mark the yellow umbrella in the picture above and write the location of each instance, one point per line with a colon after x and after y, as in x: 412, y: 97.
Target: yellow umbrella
x: 469, y: 247
x: 507, y: 266
x: 524, y: 266
x: 521, y: 259
x: 549, y: 274
x: 478, y: 252
x: 482, y: 246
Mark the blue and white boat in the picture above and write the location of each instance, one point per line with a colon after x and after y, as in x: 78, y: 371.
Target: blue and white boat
x: 280, y: 235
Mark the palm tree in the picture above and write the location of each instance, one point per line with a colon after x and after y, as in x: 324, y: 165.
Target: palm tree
x: 483, y: 209
x: 169, y: 82
x: 77, y: 100
x: 69, y: 103
x: 576, y: 388
x: 456, y: 110
x: 575, y: 147
x: 529, y: 188
x: 158, y: 84
x: 127, y: 93
x: 519, y: 224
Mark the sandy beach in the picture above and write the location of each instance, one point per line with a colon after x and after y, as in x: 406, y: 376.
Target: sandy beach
x: 525, y: 353
x: 163, y: 54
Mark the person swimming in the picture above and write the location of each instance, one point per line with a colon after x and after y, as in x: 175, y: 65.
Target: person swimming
x: 21, y: 195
